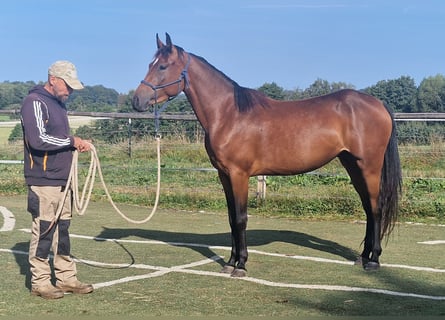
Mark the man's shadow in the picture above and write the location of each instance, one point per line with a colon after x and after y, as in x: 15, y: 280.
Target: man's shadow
x: 20, y: 251
x: 201, y: 243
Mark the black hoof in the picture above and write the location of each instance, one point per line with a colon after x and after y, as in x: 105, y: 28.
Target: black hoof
x: 239, y: 273
x: 371, y: 266
x: 227, y: 269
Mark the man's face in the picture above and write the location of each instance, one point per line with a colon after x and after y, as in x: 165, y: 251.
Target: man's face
x: 61, y: 90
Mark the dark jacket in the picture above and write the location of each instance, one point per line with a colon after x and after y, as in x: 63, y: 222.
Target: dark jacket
x: 48, y: 144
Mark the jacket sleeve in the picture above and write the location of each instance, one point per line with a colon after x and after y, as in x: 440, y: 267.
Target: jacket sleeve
x: 34, y: 115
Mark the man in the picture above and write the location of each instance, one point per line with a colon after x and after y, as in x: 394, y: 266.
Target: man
x: 48, y: 148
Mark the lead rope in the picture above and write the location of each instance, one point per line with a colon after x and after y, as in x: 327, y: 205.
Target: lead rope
x: 81, y: 203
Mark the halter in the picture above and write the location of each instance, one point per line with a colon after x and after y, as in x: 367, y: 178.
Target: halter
x: 182, y: 76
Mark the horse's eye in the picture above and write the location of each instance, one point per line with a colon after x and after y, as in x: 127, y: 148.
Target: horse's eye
x: 162, y: 67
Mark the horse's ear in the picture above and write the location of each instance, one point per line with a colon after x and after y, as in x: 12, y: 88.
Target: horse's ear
x: 159, y: 42
x: 168, y: 40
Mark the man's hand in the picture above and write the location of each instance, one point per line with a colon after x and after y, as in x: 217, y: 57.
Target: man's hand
x: 82, y: 145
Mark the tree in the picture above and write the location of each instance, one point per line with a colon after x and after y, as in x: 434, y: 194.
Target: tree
x: 272, y: 90
x: 93, y: 98
x: 399, y: 94
x: 431, y: 94
x: 12, y: 93
x: 321, y: 87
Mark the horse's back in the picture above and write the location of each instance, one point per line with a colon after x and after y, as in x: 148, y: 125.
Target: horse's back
x: 345, y: 120
x: 345, y: 100
x: 345, y: 108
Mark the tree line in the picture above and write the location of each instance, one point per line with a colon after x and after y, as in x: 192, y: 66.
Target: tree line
x: 401, y: 94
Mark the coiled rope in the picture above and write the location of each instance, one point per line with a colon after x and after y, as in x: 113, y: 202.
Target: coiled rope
x: 81, y: 201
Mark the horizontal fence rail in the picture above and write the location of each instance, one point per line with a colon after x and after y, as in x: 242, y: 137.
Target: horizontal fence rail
x: 423, y: 116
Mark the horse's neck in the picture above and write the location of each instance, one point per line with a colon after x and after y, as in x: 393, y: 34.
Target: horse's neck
x: 210, y: 93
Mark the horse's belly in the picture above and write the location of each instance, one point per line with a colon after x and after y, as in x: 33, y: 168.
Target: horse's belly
x: 289, y: 163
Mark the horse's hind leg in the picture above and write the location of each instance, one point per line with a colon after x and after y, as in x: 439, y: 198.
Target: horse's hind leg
x: 367, y: 186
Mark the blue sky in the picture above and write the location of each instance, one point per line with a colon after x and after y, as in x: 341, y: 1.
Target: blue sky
x: 289, y: 42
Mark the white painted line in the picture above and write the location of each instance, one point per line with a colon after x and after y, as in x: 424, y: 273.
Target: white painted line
x: 183, y: 269
x: 432, y: 242
x: 402, y: 266
x: 343, y: 288
x: 160, y: 272
x: 128, y: 279
x: 8, y: 219
x: 317, y: 286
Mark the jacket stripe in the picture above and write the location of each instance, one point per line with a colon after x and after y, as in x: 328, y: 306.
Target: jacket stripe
x: 42, y: 130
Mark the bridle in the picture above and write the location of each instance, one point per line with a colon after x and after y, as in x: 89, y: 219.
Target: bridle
x: 183, y: 76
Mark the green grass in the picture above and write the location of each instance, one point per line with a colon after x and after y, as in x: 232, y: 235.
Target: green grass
x: 184, y: 294
x: 4, y: 135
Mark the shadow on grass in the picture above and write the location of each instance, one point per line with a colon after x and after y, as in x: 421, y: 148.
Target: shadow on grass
x: 331, y: 303
x: 199, y: 242
x: 22, y: 261
x: 327, y: 303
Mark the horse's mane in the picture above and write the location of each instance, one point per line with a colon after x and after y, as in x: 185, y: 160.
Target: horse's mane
x: 245, y: 98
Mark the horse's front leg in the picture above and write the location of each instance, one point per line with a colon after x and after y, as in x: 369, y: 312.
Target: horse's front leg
x: 227, y: 186
x: 236, y: 191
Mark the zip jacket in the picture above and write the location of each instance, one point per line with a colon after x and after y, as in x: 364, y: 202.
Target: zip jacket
x: 48, y: 144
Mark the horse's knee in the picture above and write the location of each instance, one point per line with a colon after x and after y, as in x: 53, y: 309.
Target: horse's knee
x: 241, y: 221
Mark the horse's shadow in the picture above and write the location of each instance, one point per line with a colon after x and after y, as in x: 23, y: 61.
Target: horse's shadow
x: 202, y: 243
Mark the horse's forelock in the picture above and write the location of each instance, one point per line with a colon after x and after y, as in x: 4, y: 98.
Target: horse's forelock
x: 165, y: 51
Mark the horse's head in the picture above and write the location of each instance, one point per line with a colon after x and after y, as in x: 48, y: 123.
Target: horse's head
x: 166, y: 76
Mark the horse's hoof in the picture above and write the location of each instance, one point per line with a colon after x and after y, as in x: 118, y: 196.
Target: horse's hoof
x: 359, y: 261
x: 227, y: 269
x: 239, y: 273
x: 371, y: 266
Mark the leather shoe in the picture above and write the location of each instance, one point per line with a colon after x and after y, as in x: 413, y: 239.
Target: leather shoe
x: 75, y: 287
x: 47, y: 292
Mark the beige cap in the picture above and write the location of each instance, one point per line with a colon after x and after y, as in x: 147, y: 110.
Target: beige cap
x: 66, y: 71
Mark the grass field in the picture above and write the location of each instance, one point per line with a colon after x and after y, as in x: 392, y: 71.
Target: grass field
x: 298, y: 266
x: 165, y: 267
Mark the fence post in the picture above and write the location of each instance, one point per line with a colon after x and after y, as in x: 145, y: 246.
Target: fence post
x: 261, y: 188
x: 129, y: 137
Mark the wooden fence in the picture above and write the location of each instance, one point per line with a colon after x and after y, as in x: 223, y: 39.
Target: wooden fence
x: 191, y: 117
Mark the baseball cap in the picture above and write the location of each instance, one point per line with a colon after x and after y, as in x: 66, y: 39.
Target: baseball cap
x: 67, y: 71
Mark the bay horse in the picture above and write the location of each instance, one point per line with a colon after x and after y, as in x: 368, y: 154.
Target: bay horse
x: 248, y: 134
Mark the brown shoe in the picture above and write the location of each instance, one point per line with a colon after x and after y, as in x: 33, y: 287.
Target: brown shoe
x: 75, y: 287
x: 47, y: 292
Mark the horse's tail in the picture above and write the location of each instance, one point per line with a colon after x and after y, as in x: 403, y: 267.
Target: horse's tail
x: 390, y: 183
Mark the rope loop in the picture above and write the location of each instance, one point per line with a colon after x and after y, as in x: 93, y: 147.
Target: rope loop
x: 81, y: 200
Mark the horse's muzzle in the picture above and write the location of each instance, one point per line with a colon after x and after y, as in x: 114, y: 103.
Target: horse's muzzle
x: 137, y: 105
